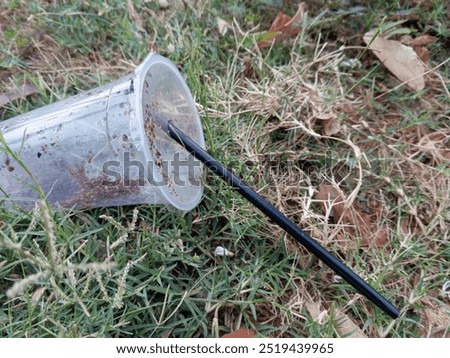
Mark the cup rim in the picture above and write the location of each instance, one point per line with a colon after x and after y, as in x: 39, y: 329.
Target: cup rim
x: 138, y: 126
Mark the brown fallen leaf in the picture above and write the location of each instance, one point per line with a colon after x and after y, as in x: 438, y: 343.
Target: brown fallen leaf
x: 354, y: 220
x: 240, y: 333
x: 332, y: 126
x: 400, y: 59
x: 25, y: 90
x: 434, y: 144
x: 326, y: 114
x: 316, y: 312
x: 435, y: 320
x: 422, y: 52
x: 283, y: 27
x: 422, y: 40
x: 346, y: 327
x: 343, y: 324
x: 418, y: 44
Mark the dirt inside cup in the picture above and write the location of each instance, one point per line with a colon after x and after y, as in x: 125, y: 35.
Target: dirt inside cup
x: 101, y: 147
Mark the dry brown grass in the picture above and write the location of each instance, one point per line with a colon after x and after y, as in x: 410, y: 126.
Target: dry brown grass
x: 384, y: 180
x: 380, y: 156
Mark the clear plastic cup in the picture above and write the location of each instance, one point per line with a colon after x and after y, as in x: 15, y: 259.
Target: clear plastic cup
x: 101, y: 148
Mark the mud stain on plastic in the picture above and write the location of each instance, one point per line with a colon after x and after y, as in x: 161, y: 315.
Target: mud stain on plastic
x: 100, y: 189
x: 8, y: 164
x: 149, y: 127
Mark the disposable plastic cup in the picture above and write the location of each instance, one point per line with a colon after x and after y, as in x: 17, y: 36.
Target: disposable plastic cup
x: 101, y: 147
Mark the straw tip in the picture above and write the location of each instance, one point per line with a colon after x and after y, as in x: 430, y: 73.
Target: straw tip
x: 160, y: 121
x: 392, y: 311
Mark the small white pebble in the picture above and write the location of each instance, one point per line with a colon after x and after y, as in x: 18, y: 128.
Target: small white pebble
x: 221, y: 251
x: 163, y: 3
x: 337, y: 279
x: 350, y: 63
x: 446, y: 288
x: 170, y: 48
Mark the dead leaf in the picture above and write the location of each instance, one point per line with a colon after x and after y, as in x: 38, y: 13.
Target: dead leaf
x: 25, y: 90
x: 435, y: 320
x: 406, y: 39
x: 283, y: 27
x: 222, y: 26
x: 240, y: 333
x: 328, y: 194
x: 353, y: 219
x: 422, y: 52
x: 419, y: 44
x: 346, y: 327
x: 422, y: 40
x: 435, y: 145
x: 400, y: 59
x: 316, y: 312
x: 324, y: 113
x: 332, y: 126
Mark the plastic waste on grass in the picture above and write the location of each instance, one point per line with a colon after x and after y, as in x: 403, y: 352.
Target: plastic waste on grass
x: 100, y: 148
x: 276, y: 216
x: 132, y: 125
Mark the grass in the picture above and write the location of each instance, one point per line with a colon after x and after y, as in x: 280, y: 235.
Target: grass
x: 151, y: 272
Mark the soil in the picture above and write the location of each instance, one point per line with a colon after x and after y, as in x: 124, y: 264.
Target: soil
x: 149, y: 127
x: 93, y: 190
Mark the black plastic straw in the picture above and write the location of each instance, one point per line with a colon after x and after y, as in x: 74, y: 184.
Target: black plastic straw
x: 270, y: 211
